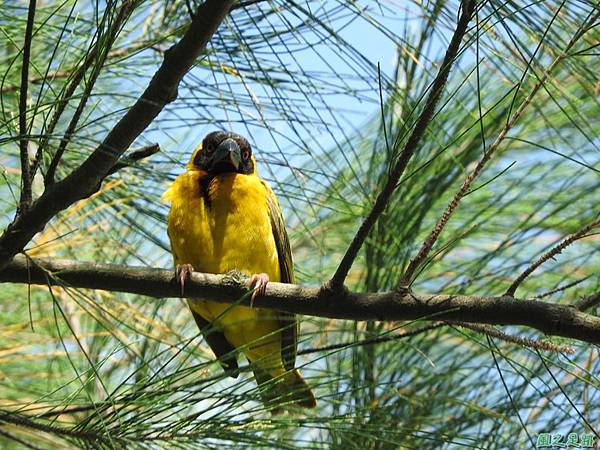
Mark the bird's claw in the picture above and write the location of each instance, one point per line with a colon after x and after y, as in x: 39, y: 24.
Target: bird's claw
x: 258, y: 282
x: 183, y: 273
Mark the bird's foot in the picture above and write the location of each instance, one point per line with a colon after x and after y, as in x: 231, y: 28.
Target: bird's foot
x: 258, y: 282
x: 183, y: 273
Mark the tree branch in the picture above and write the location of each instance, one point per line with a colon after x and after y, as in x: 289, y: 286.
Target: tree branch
x: 75, y: 76
x: 383, y: 198
x: 75, y: 79
x: 134, y: 156
x: 13, y: 418
x: 428, y: 243
x: 490, y: 331
x: 100, y: 57
x: 76, y: 71
x: 83, y: 181
x: 550, y: 254
x: 26, y: 176
x: 559, y: 320
x: 588, y: 302
x: 246, y: 3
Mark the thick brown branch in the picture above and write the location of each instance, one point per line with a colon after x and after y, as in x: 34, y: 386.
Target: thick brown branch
x: 383, y: 198
x: 84, y: 180
x: 26, y: 175
x: 551, y: 319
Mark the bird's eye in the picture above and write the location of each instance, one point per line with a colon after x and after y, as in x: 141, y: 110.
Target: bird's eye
x: 245, y: 155
x: 209, y: 148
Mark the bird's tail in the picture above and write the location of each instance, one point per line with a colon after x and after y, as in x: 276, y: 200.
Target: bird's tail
x: 284, y: 392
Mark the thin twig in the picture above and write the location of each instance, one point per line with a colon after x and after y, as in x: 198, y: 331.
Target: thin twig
x: 36, y: 79
x: 556, y: 250
x: 507, y: 390
x: 588, y: 302
x: 124, y: 12
x: 489, y: 330
x: 407, y: 277
x: 246, y: 4
x: 560, y: 288
x: 134, y: 156
x: 189, y: 8
x: 26, y: 422
x: 568, y: 398
x: 26, y: 178
x: 382, y: 200
x: 84, y: 180
x: 382, y: 108
x: 327, y: 348
x: 18, y: 440
x: 62, y: 103
x: 372, y: 341
x: 553, y: 319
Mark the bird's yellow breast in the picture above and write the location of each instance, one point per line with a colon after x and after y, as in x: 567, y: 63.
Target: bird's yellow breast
x: 230, y: 231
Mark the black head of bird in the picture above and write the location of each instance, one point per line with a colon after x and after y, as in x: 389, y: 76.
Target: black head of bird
x: 224, y: 152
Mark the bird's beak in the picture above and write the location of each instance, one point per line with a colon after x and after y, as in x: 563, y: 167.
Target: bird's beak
x: 227, y: 152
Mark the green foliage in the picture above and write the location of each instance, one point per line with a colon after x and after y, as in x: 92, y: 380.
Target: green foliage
x: 100, y: 369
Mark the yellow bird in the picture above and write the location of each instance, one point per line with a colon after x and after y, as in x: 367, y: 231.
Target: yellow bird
x: 223, y: 217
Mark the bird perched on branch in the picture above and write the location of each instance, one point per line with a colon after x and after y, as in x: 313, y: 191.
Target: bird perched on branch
x: 224, y: 218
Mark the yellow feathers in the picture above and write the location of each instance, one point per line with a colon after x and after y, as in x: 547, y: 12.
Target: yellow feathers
x: 223, y: 217
x: 213, y: 238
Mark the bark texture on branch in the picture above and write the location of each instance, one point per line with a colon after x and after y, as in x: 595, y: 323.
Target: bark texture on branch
x: 84, y: 180
x: 549, y: 318
x: 383, y: 198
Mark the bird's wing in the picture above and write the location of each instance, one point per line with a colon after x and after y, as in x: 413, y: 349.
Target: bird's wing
x: 220, y: 346
x: 289, y: 325
x: 215, y: 339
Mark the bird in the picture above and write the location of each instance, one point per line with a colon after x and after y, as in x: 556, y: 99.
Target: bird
x: 224, y: 218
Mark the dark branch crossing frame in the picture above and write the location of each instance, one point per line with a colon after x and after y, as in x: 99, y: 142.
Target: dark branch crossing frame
x: 558, y: 320
x: 335, y: 301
